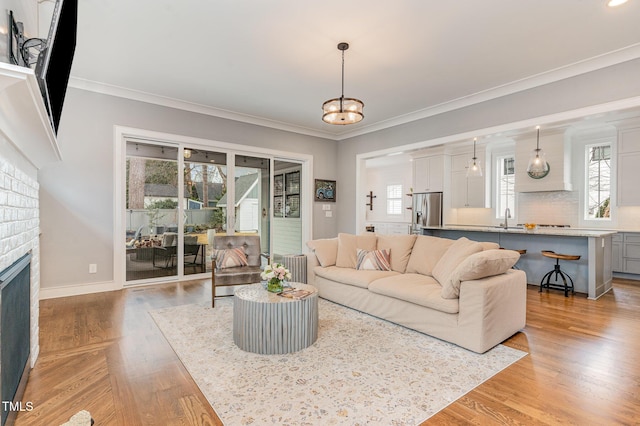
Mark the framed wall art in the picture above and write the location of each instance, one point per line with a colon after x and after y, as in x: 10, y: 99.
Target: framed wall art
x: 325, y: 190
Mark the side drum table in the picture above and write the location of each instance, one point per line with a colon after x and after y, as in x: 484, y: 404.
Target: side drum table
x: 268, y: 324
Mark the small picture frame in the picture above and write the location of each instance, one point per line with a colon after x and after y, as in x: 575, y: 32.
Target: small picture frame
x: 325, y: 190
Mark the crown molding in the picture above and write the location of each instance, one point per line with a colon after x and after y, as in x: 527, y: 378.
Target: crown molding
x: 136, y: 95
x: 582, y: 67
x: 572, y: 70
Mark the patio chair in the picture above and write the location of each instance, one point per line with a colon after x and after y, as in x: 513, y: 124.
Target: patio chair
x: 168, y: 251
x: 238, y: 275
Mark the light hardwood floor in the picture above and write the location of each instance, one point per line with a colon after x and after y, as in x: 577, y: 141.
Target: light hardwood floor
x: 103, y: 353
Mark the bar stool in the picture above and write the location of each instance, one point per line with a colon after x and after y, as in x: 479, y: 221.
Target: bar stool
x: 522, y: 253
x: 556, y: 270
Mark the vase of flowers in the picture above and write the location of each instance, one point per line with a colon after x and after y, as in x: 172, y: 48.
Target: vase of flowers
x: 275, y: 274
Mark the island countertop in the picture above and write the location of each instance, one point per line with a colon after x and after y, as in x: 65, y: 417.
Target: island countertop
x: 566, y: 232
x: 591, y: 273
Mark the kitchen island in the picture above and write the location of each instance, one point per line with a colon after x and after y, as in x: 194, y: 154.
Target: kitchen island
x: 592, y: 273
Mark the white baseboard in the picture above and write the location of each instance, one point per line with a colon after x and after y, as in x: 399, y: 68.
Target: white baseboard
x: 77, y: 289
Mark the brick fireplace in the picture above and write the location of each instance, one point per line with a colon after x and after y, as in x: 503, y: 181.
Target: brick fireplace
x: 20, y: 227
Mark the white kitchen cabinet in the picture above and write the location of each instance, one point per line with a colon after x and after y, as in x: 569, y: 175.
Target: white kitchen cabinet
x: 631, y: 253
x: 628, y: 170
x: 616, y: 253
x: 465, y: 191
x: 428, y: 174
x: 625, y: 256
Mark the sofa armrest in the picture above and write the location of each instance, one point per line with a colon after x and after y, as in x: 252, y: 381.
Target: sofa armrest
x: 312, y: 262
x: 492, y: 309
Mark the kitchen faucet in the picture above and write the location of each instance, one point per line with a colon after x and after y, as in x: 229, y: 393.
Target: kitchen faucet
x: 507, y: 215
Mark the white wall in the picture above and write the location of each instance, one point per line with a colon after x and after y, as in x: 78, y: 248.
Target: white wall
x: 598, y: 87
x: 77, y: 193
x: 378, y: 177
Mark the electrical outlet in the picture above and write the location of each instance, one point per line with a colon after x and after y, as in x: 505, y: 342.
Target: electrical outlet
x: 328, y: 214
x: 326, y: 207
x: 93, y: 268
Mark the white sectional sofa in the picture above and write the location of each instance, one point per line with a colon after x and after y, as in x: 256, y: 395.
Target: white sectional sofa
x: 462, y: 291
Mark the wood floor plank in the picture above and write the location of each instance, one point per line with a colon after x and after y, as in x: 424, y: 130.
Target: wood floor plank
x: 104, y: 353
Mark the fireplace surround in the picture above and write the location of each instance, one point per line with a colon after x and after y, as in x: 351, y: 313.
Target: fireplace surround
x: 15, y: 324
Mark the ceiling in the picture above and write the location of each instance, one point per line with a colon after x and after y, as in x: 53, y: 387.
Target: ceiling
x: 275, y: 62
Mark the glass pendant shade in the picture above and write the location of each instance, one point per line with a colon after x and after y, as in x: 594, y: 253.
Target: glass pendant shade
x: 473, y: 167
x: 538, y: 159
x: 537, y: 162
x: 342, y: 111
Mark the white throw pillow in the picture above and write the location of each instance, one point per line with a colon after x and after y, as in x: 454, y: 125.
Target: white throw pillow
x: 326, y: 250
x: 399, y: 247
x: 426, y: 253
x: 348, y: 245
x: 455, y: 254
x: 479, y: 265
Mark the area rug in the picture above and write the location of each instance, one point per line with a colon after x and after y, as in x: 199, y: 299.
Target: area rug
x: 81, y: 418
x: 361, y: 370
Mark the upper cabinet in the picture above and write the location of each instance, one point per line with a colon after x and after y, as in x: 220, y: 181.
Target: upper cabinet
x: 428, y: 174
x: 466, y: 191
x: 628, y: 170
x: 558, y: 154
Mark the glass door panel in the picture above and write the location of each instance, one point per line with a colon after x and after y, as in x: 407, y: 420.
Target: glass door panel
x: 205, y: 194
x: 151, y: 211
x: 251, y: 198
x: 287, y: 222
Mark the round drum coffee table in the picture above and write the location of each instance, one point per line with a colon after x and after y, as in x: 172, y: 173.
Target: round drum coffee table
x: 265, y: 323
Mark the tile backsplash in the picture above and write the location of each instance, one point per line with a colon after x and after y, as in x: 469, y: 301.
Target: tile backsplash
x: 549, y: 208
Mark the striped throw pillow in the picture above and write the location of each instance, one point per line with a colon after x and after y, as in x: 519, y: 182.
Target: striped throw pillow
x: 373, y: 260
x: 230, y: 258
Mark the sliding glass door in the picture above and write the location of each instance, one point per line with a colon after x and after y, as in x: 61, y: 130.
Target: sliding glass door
x: 151, y: 205
x: 179, y: 198
x: 205, y: 185
x: 252, y: 194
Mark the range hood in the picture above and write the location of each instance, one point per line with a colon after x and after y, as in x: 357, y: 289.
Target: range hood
x: 558, y: 149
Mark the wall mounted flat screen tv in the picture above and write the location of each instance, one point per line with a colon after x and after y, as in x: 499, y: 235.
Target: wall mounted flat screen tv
x: 54, y: 62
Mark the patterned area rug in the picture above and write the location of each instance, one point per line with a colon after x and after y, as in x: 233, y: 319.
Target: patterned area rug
x: 361, y: 370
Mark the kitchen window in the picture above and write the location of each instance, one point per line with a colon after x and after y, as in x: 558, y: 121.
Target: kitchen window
x: 598, y: 182
x: 505, y: 185
x: 394, y: 199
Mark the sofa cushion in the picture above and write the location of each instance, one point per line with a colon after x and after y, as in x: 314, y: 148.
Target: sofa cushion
x: 399, y: 247
x: 455, y: 254
x: 487, y: 245
x: 373, y: 260
x: 479, y: 265
x: 326, y: 250
x: 241, y: 274
x: 351, y: 276
x: 348, y: 245
x: 426, y: 252
x: 415, y: 288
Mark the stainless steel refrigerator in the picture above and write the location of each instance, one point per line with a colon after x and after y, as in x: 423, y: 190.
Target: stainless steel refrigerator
x: 426, y: 210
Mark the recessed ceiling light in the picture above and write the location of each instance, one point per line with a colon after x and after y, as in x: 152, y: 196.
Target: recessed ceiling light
x: 614, y: 3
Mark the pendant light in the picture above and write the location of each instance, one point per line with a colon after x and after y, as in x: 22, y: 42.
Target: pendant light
x: 474, y: 169
x: 538, y: 165
x: 342, y: 110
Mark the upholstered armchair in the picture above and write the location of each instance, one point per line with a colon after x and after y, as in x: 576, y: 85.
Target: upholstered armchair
x: 226, y: 269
